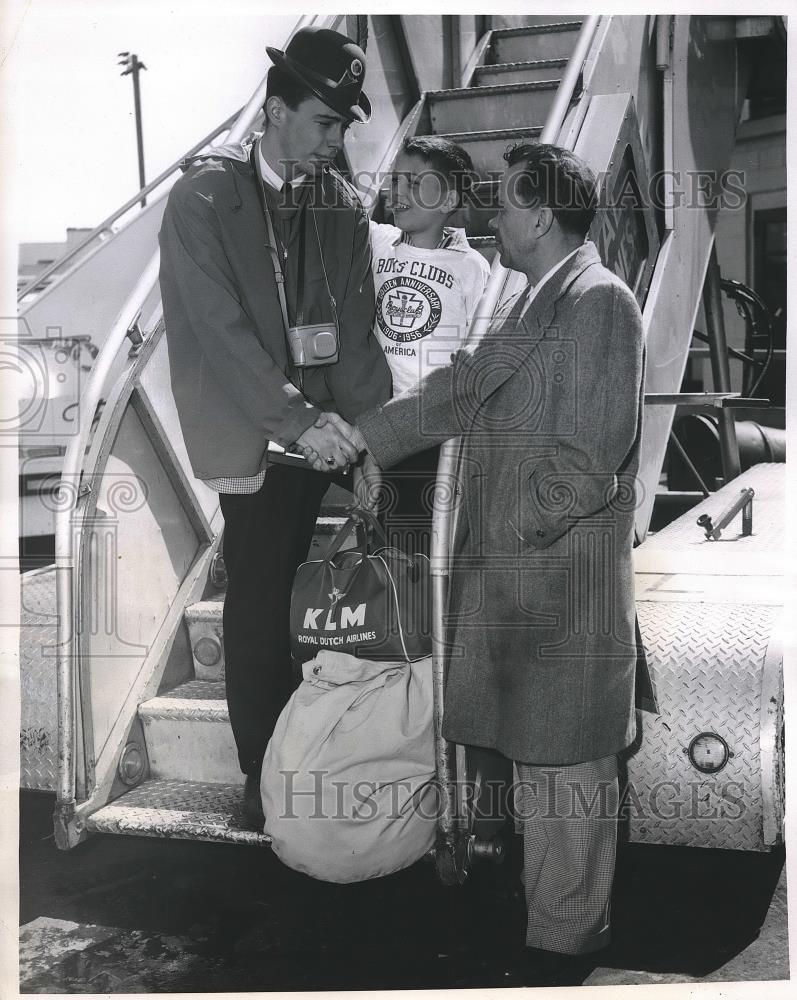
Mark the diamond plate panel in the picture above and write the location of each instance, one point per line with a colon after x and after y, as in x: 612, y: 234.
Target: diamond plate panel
x: 707, y: 666
x: 181, y: 810
x: 38, y: 734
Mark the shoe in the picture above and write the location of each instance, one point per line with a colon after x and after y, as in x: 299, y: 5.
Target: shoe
x: 253, y: 805
x: 552, y: 968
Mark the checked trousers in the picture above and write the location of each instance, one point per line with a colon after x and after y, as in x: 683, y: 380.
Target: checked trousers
x: 569, y: 821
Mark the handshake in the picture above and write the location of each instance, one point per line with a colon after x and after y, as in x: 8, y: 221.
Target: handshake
x: 331, y: 444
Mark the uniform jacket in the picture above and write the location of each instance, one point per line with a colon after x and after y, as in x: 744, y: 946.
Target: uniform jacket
x: 227, y: 354
x: 541, y: 619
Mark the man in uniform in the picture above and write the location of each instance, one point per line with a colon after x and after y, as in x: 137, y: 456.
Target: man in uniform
x: 542, y: 643
x: 237, y: 385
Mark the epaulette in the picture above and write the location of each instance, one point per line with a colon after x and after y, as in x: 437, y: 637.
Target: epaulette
x: 344, y: 185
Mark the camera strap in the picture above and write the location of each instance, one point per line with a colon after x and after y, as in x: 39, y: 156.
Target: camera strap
x: 274, y: 247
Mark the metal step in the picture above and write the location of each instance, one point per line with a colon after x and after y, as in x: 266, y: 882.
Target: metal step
x: 206, y: 636
x: 188, y: 734
x: 486, y: 149
x: 541, y: 41
x: 204, y: 619
x: 532, y: 71
x: 534, y: 22
x: 179, y: 810
x: 513, y: 105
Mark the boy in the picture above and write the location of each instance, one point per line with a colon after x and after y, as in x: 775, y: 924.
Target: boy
x: 428, y: 281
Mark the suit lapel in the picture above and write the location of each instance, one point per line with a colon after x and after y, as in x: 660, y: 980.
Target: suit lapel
x: 542, y: 310
x: 536, y: 323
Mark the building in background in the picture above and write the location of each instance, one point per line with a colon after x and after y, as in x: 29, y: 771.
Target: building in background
x: 35, y: 258
x: 751, y: 239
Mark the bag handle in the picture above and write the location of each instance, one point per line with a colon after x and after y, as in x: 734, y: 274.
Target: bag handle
x: 369, y: 516
x: 343, y: 534
x: 363, y: 517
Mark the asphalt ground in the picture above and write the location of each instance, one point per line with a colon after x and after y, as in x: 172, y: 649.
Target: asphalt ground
x: 121, y: 914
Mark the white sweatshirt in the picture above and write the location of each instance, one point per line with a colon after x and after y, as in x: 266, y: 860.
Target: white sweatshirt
x: 425, y: 300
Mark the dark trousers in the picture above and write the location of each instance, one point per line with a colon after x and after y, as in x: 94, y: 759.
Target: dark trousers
x: 407, y: 500
x: 266, y: 536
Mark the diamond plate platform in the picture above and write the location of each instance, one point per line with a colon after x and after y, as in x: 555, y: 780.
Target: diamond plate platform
x: 180, y: 810
x: 707, y: 663
x: 682, y: 546
x: 710, y: 613
x: 38, y: 733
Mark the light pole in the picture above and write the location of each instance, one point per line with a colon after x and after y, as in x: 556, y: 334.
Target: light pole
x: 132, y: 65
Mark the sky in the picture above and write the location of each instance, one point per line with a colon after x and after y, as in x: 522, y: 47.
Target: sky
x: 68, y: 128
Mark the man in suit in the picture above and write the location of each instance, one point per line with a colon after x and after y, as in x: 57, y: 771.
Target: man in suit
x: 540, y: 627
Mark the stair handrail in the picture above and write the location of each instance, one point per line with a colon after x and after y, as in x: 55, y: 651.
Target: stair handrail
x: 106, y: 224
x: 70, y: 486
x: 553, y: 123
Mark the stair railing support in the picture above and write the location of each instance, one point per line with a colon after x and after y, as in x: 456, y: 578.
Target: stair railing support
x: 720, y: 367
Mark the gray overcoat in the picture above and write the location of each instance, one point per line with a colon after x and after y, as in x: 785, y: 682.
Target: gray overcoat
x: 541, y: 616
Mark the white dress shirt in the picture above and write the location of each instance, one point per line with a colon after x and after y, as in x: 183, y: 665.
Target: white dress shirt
x: 534, y: 289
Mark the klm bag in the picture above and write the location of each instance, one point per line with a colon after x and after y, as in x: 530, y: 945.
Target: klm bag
x: 348, y: 781
x: 376, y: 606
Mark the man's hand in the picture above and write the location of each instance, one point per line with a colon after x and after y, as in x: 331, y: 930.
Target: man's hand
x: 327, y: 444
x: 367, y: 483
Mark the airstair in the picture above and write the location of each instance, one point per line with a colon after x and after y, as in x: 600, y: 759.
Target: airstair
x: 64, y: 316
x: 144, y: 745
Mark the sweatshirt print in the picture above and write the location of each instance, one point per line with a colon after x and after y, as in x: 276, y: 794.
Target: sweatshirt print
x: 425, y: 300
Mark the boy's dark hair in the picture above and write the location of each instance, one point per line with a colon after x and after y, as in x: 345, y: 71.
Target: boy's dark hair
x: 447, y: 158
x: 559, y: 180
x: 280, y: 83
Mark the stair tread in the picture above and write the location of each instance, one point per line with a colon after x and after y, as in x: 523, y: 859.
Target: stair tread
x: 206, y: 609
x: 521, y: 64
x: 488, y: 134
x: 193, y: 700
x: 536, y: 29
x: 182, y: 810
x: 493, y: 88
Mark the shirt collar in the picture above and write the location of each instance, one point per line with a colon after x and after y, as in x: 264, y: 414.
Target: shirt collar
x: 448, y: 237
x: 270, y: 176
x: 534, y: 290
